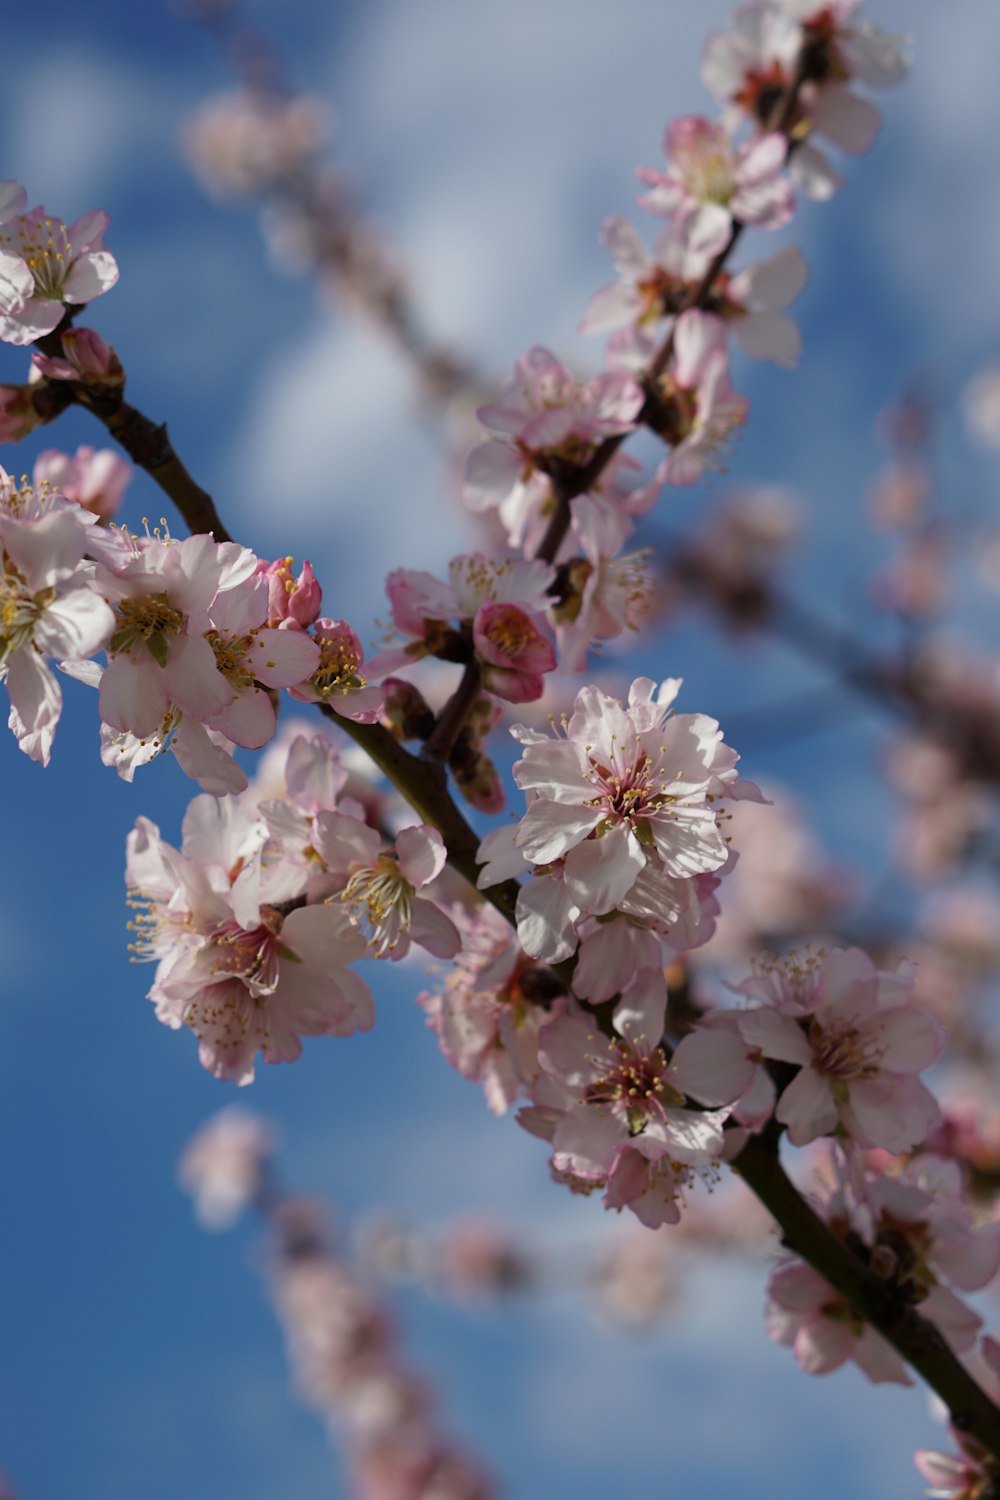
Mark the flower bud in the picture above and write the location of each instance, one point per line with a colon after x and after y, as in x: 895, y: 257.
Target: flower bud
x: 294, y: 602
x: 88, y: 359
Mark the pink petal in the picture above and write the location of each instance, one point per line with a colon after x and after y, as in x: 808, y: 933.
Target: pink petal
x: 807, y: 1108
x: 248, y: 721
x: 193, y: 680
x: 422, y: 854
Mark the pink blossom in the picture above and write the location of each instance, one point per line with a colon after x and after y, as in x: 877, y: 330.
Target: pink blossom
x: 650, y: 287
x: 244, y: 141
x: 223, y: 1165
x: 63, y: 265
x: 954, y: 1477
x: 49, y: 606
x: 607, y: 595
x: 625, y: 793
x: 338, y: 679
x: 615, y: 1103
x: 807, y: 1314
x: 243, y: 975
x: 476, y: 1259
x: 485, y: 1011
x: 249, y: 652
x: 715, y: 182
x: 512, y: 652
x: 203, y: 754
x: 547, y: 418
x: 751, y: 302
x: 158, y: 659
x: 88, y: 359
x: 94, y: 478
x: 701, y: 408
x: 494, y: 603
x: 753, y: 64
x: 859, y: 1044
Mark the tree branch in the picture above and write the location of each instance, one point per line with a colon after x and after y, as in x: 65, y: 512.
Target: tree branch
x: 877, y: 1301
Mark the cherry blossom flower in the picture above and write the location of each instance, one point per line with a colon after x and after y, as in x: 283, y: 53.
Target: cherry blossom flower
x: 859, y: 1044
x: 203, y: 754
x: 751, y: 303
x: 158, y: 660
x: 495, y: 604
x: 338, y: 680
x: 972, y: 1473
x: 807, y: 1314
x: 243, y: 975
x: 49, y: 606
x: 753, y: 64
x: 487, y: 1012
x: 223, y: 1164
x: 249, y: 651
x: 243, y: 143
x: 609, y: 595
x: 63, y: 265
x: 606, y: 1104
x: 714, y: 182
x: 291, y: 601
x: 701, y: 409
x: 547, y: 418
x: 94, y: 478
x: 650, y: 287
x: 627, y: 792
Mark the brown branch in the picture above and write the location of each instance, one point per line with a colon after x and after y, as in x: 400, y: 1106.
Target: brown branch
x: 576, y: 481
x: 878, y: 1301
x: 451, y: 719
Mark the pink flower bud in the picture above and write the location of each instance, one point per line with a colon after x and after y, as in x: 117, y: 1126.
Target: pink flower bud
x: 512, y: 650
x: 293, y: 602
x: 17, y: 413
x: 87, y: 359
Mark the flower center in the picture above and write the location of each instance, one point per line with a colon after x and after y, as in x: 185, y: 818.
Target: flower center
x: 45, y: 247
x: 846, y: 1053
x: 510, y: 630
x: 150, y: 618
x: 337, y: 673
x: 251, y: 955
x: 380, y: 896
x: 19, y: 610
x: 635, y: 1081
x: 230, y: 657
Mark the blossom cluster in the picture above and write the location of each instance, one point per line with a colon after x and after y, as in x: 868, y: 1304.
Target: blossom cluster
x: 197, y: 634
x: 550, y: 468
x: 255, y: 920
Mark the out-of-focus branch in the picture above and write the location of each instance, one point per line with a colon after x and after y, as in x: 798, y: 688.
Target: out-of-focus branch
x: 330, y: 232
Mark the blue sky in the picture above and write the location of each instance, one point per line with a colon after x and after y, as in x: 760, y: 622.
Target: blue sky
x: 140, y: 1355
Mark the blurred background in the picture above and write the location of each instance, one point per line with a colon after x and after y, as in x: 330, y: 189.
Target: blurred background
x: 485, y: 145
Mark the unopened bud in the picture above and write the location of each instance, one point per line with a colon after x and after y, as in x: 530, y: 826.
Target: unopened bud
x: 87, y: 359
x: 296, y: 601
x: 405, y: 711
